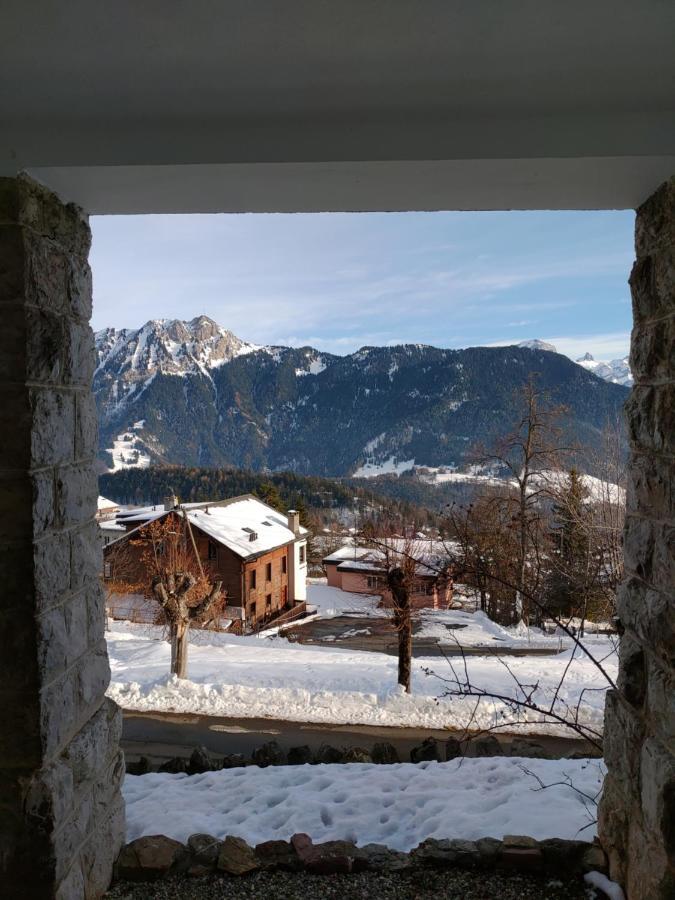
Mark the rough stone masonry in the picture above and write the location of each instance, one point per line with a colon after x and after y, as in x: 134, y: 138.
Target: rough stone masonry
x: 637, y: 815
x: 61, y: 812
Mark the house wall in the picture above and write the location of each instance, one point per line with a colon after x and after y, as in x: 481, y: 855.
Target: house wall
x: 125, y: 564
x: 357, y: 583
x: 333, y: 577
x: 298, y: 571
x: 277, y: 587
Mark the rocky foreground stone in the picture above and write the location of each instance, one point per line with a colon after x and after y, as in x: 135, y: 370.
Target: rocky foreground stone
x: 155, y: 857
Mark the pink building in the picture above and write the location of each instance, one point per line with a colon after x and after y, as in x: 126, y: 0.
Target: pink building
x: 362, y: 570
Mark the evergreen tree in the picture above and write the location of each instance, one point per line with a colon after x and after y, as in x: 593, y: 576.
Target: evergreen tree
x: 572, y: 564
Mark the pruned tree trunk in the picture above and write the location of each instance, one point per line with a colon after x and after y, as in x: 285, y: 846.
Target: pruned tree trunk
x: 403, y: 622
x: 179, y: 649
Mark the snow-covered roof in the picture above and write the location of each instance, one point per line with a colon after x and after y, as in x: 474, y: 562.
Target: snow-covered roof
x: 104, y: 503
x: 347, y: 552
x: 245, y: 524
x: 431, y: 556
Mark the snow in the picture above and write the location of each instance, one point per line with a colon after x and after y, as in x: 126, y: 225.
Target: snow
x: 615, y: 370
x: 124, y: 454
x: 610, y: 888
x: 329, y: 602
x: 476, y: 629
x: 231, y: 523
x: 390, y: 466
x: 397, y: 805
x: 270, y: 677
x: 103, y: 504
x: 228, y: 525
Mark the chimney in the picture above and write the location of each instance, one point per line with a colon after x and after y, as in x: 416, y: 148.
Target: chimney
x: 294, y: 521
x: 170, y: 502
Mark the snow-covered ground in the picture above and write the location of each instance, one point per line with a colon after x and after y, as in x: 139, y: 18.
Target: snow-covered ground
x: 329, y: 602
x: 399, y: 805
x: 126, y: 450
x: 266, y: 676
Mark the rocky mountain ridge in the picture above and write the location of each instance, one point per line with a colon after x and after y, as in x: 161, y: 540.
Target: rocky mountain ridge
x: 193, y: 393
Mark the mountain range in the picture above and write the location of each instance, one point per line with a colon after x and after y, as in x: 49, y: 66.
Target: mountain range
x: 193, y: 393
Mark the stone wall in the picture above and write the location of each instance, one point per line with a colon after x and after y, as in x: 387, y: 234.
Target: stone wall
x: 61, y: 813
x: 637, y: 817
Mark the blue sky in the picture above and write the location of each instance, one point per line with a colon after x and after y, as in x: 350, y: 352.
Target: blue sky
x: 341, y: 281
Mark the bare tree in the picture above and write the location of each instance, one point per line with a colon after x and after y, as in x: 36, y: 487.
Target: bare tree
x: 534, y: 445
x: 175, y: 577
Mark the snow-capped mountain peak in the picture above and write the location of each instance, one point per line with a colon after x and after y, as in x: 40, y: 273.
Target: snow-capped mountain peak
x: 170, y: 346
x: 615, y: 370
x: 129, y: 358
x: 536, y: 344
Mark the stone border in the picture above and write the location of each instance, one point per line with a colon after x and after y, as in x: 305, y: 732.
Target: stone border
x: 154, y: 857
x: 381, y: 753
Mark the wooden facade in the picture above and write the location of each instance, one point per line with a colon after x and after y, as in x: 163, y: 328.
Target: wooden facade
x: 256, y: 589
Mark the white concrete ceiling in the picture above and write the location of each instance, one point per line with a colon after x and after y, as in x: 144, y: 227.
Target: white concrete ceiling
x: 207, y: 105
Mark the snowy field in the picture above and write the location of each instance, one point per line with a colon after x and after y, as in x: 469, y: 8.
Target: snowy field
x: 399, y: 805
x: 266, y: 676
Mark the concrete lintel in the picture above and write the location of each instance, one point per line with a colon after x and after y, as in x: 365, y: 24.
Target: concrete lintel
x: 464, y: 184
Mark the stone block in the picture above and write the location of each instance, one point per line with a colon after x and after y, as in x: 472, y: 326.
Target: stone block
x: 86, y: 556
x: 652, y: 351
x: 79, y: 286
x: 52, y: 427
x: 300, y: 756
x: 651, y: 282
x: 149, y: 858
x: 278, y: 855
x: 76, y: 492
x: 43, y: 505
x: 86, y: 427
x: 650, y: 413
x: 236, y: 857
x: 80, y: 354
x: 428, y: 751
x: 632, y: 680
x: 651, y: 486
x: 655, y: 220
x: 594, y: 859
x: 205, y: 849
x: 385, y: 754
x: 61, y: 636
x: 487, y: 745
x: 26, y: 202
x: 447, y: 853
x: 94, y: 676
x: 657, y: 790
x: 46, y: 346
x: 380, y: 858
x: 46, y: 274
x: 331, y: 858
x: 89, y: 749
x: 49, y: 798
x: 51, y: 570
x: 98, y: 853
x: 72, y: 887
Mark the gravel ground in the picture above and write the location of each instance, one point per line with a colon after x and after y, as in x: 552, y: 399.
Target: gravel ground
x: 452, y: 884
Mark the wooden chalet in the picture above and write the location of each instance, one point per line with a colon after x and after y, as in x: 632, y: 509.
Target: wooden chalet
x: 259, y: 554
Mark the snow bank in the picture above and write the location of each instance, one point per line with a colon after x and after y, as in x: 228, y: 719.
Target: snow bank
x: 254, y: 677
x: 399, y: 805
